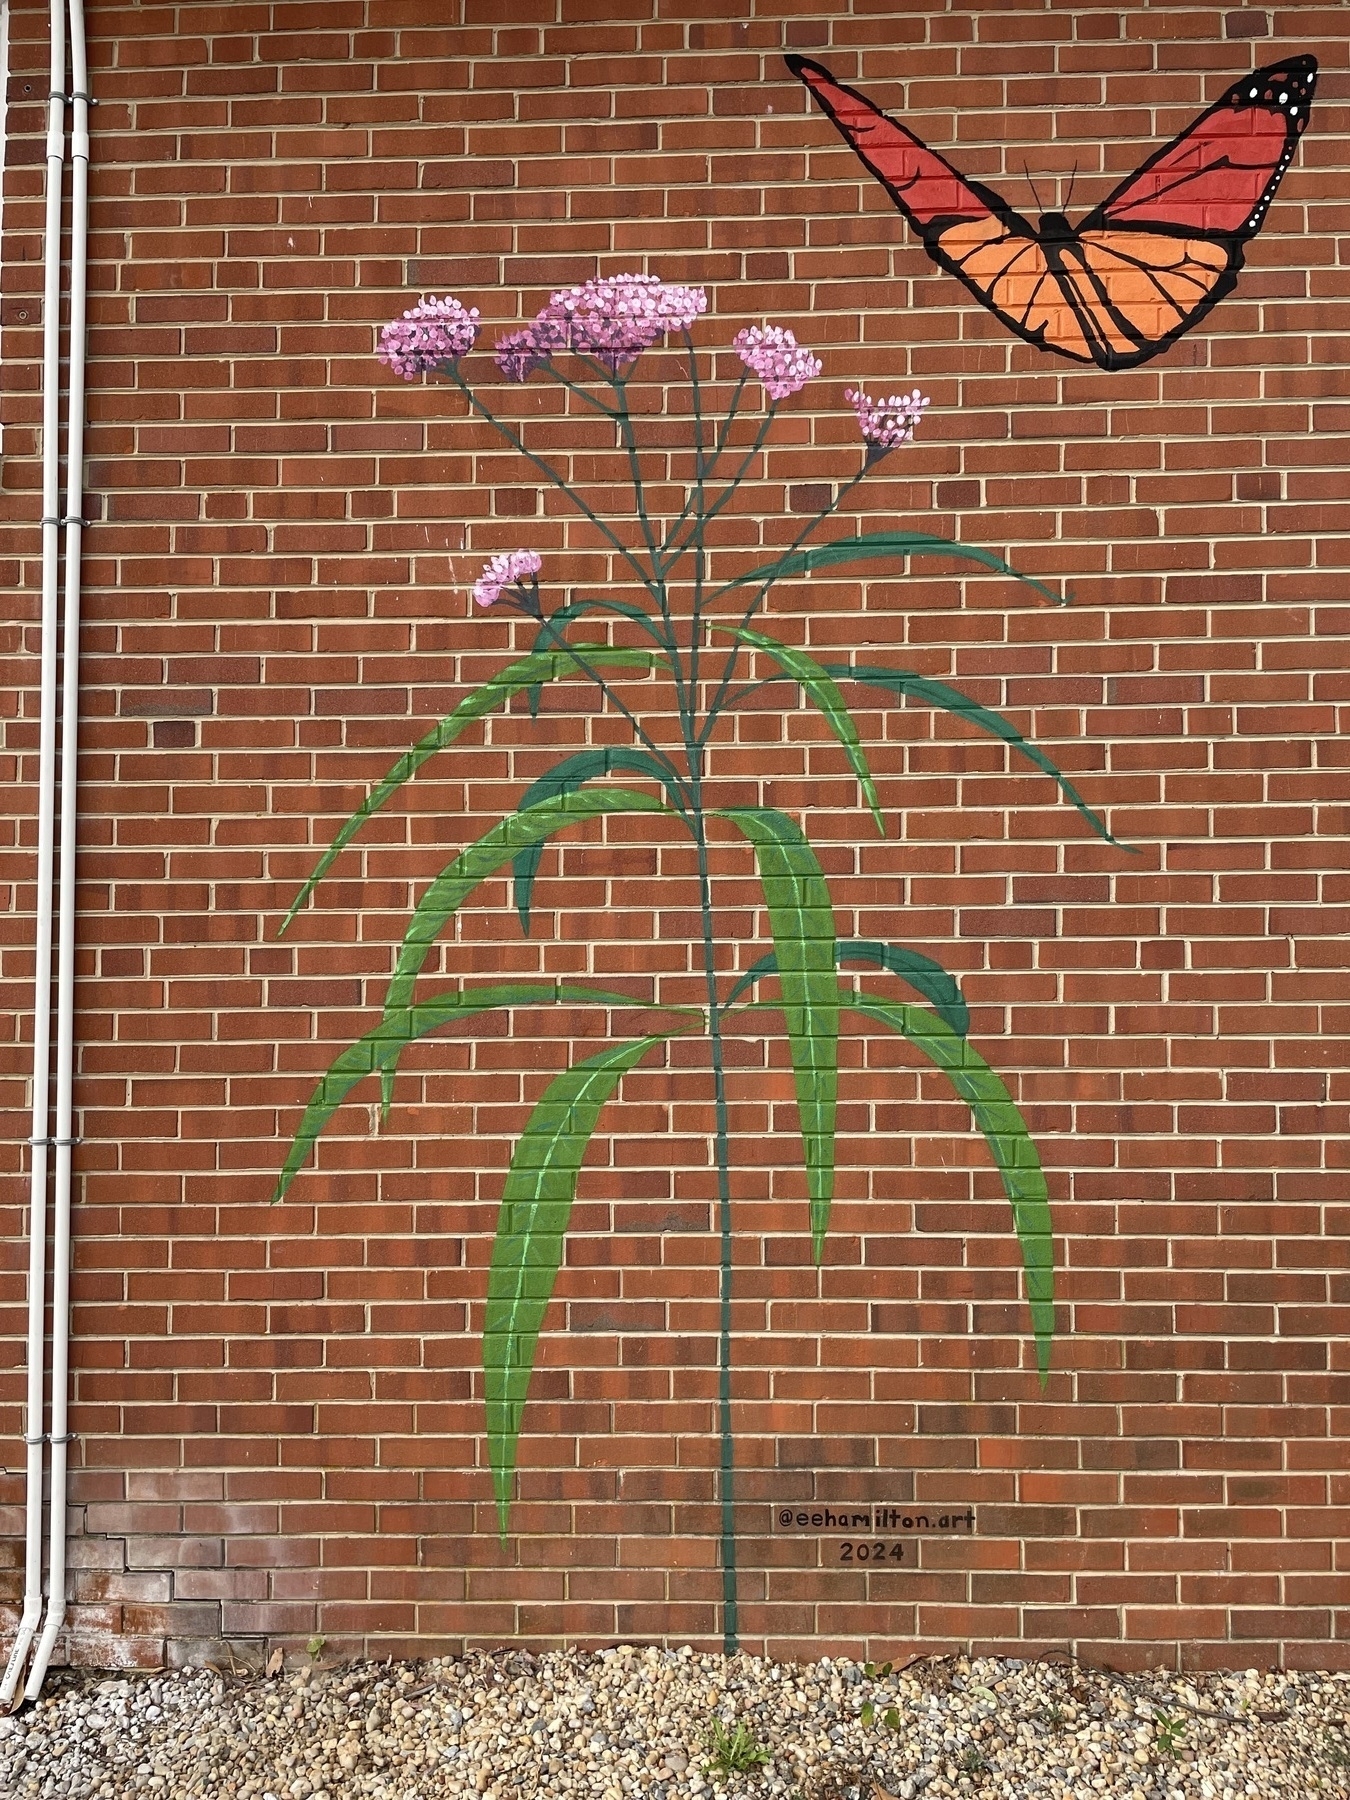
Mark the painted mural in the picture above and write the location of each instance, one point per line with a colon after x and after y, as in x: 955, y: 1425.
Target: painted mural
x: 1144, y: 266
x: 706, y: 645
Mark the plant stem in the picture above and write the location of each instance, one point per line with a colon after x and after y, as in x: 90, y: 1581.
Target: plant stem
x: 708, y: 464
x: 697, y: 532
x: 758, y: 600
x: 728, y: 1467
x: 706, y: 517
x: 546, y: 626
x: 657, y: 586
x: 517, y: 443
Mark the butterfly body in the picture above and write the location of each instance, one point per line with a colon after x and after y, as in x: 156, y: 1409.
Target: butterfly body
x: 1055, y: 228
x: 1144, y: 266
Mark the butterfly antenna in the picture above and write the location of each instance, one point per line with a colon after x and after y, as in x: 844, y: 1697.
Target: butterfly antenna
x: 1032, y: 185
x: 1073, y: 176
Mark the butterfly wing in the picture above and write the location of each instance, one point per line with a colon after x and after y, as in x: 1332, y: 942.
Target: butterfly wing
x: 1134, y: 293
x: 925, y: 187
x: 966, y: 228
x: 1013, y: 276
x: 1217, y: 179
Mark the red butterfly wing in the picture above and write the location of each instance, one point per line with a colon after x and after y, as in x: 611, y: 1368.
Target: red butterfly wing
x: 927, y: 189
x: 966, y: 228
x: 1218, y: 177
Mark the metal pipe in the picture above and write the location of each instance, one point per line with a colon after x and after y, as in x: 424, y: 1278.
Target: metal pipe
x: 65, y: 960
x: 42, y: 972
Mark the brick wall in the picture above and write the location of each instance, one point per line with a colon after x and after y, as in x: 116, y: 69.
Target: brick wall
x: 280, y: 1409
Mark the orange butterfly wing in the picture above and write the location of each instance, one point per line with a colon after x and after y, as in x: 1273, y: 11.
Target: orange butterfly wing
x: 1136, y: 292
x: 1113, y: 298
x: 1011, y: 273
x: 1219, y: 176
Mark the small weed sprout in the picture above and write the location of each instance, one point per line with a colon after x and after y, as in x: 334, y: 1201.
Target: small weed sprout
x: 734, y: 1752
x: 1168, y: 1733
x: 890, y: 1718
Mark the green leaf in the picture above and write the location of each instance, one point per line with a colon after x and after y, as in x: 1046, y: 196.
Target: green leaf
x: 880, y: 543
x: 383, y: 1045
x: 901, y: 682
x: 925, y: 976
x: 565, y: 778
x: 1005, y: 1132
x: 528, y: 672
x: 766, y: 965
x: 816, y: 681
x: 802, y: 919
x: 541, y: 1185
x: 502, y: 844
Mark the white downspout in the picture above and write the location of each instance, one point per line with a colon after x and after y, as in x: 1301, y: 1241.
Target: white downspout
x: 65, y: 961
x: 42, y: 974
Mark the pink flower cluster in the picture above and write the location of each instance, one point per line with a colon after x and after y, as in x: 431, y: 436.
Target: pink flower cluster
x: 512, y: 569
x: 612, y: 319
x: 773, y: 353
x: 886, y: 423
x: 429, y: 334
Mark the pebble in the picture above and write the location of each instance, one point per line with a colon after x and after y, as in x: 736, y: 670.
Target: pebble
x: 632, y: 1724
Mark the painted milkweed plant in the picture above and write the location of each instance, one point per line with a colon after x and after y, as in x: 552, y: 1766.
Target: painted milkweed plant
x: 694, y: 636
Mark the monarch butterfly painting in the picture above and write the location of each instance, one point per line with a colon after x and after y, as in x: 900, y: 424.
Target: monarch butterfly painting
x: 1142, y: 267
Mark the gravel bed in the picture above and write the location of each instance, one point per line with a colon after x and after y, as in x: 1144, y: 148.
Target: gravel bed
x: 511, y: 1726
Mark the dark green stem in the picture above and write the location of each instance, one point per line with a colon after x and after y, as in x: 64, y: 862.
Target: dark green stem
x: 657, y: 585
x: 547, y: 628
x: 726, y: 1484
x: 759, y: 598
x: 709, y: 463
x: 575, y: 387
x: 653, y: 583
x: 706, y: 518
x: 518, y: 443
x: 700, y: 547
x: 727, y: 1495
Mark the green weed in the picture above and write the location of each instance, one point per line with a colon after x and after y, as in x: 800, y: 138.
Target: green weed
x: 1168, y: 1733
x: 735, y: 1752
x: 890, y: 1718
